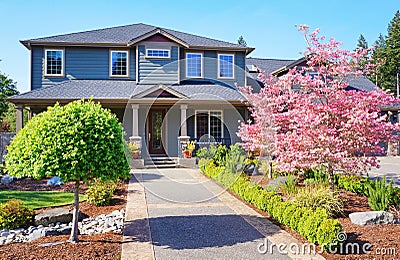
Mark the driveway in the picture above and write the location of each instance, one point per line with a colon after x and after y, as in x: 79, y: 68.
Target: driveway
x: 390, y: 167
x: 180, y: 214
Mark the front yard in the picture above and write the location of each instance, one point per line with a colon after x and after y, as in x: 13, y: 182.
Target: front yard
x: 96, y: 246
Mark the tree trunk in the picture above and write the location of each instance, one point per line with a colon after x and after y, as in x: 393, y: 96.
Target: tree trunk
x: 331, y: 179
x: 74, y: 232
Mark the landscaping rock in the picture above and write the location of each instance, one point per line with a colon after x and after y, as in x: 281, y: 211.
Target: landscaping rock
x: 6, y: 179
x: 112, y: 222
x: 372, y: 218
x: 55, y: 181
x: 56, y: 215
x: 278, y: 181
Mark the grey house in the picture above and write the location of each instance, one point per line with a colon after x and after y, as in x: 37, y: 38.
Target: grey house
x: 167, y: 87
x: 162, y: 84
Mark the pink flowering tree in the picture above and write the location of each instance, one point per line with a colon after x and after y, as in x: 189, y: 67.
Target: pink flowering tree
x: 307, y: 118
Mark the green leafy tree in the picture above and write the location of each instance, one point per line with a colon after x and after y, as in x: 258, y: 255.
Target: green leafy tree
x: 7, y: 88
x: 241, y: 41
x: 362, y: 42
x: 389, y: 49
x: 78, y: 142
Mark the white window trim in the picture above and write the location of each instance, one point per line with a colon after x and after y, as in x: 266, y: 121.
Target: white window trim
x: 201, y: 65
x: 202, y: 111
x: 233, y: 65
x: 158, y: 57
x: 127, y: 64
x: 62, y: 63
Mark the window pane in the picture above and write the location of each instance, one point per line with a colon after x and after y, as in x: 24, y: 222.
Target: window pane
x: 216, y: 124
x: 54, y: 62
x: 157, y: 53
x: 226, y: 66
x: 193, y: 65
x: 119, y: 61
x: 202, y: 124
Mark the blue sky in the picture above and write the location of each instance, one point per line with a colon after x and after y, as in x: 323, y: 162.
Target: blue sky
x: 266, y: 25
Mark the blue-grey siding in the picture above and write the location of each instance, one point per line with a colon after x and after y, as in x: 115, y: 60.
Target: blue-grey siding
x: 210, y: 67
x: 80, y: 63
x: 158, y: 71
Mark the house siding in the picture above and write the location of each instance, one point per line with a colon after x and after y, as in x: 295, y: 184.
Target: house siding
x: 80, y: 63
x: 210, y: 67
x: 158, y: 71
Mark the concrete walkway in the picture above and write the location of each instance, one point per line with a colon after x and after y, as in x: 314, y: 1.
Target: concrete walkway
x: 180, y: 214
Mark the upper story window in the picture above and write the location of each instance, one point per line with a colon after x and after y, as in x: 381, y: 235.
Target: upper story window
x: 194, y: 65
x: 119, y: 65
x: 225, y: 66
x: 158, y: 53
x: 54, y: 62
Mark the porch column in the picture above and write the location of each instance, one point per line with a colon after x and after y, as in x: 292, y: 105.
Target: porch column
x: 20, y: 117
x: 183, y: 120
x: 135, y: 119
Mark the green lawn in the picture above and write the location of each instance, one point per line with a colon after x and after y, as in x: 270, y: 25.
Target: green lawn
x: 39, y: 199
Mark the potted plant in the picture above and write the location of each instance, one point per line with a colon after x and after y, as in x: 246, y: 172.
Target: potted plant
x: 187, y: 152
x: 134, y: 150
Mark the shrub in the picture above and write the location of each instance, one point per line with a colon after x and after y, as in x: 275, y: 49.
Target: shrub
x: 327, y: 232
x: 318, y: 197
x: 100, y: 193
x: 13, y: 214
x: 289, y: 188
x: 206, y: 152
x: 351, y: 183
x: 379, y: 194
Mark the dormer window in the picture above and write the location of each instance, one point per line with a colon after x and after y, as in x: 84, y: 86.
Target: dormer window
x: 119, y: 65
x: 54, y: 62
x: 225, y: 66
x: 158, y: 53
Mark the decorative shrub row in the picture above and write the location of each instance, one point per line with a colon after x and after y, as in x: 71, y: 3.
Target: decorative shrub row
x: 316, y: 226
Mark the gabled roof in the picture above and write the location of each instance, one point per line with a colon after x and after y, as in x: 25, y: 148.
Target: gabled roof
x: 277, y: 66
x: 130, y: 34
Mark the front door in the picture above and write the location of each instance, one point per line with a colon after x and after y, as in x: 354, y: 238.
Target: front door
x: 155, y: 128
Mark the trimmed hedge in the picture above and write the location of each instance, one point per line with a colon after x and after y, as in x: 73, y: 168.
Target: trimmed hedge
x: 316, y: 226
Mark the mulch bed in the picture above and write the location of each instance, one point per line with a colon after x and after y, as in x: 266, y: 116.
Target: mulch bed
x: 384, y: 239
x: 99, y: 246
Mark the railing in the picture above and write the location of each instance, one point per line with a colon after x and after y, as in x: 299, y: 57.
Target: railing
x: 211, y: 141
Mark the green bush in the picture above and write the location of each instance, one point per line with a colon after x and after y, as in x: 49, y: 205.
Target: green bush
x: 206, y: 152
x: 314, y: 197
x: 289, y: 188
x: 379, y: 194
x: 100, y: 193
x: 327, y: 232
x: 13, y: 214
x: 351, y: 183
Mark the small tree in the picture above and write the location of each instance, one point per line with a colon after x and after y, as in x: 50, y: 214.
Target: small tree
x: 241, y: 41
x: 8, y: 88
x: 77, y: 142
x: 318, y: 121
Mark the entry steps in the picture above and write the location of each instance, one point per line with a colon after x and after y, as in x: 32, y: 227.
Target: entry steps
x: 161, y: 162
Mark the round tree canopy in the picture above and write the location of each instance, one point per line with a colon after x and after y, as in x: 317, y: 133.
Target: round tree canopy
x: 77, y: 142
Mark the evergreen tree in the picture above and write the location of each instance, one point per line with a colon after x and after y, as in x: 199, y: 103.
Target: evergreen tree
x: 378, y: 55
x: 362, y: 42
x: 391, y: 53
x: 241, y: 41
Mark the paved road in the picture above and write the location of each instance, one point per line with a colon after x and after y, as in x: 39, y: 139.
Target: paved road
x: 190, y: 217
x: 390, y: 167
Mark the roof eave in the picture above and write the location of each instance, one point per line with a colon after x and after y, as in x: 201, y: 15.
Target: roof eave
x: 28, y: 44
